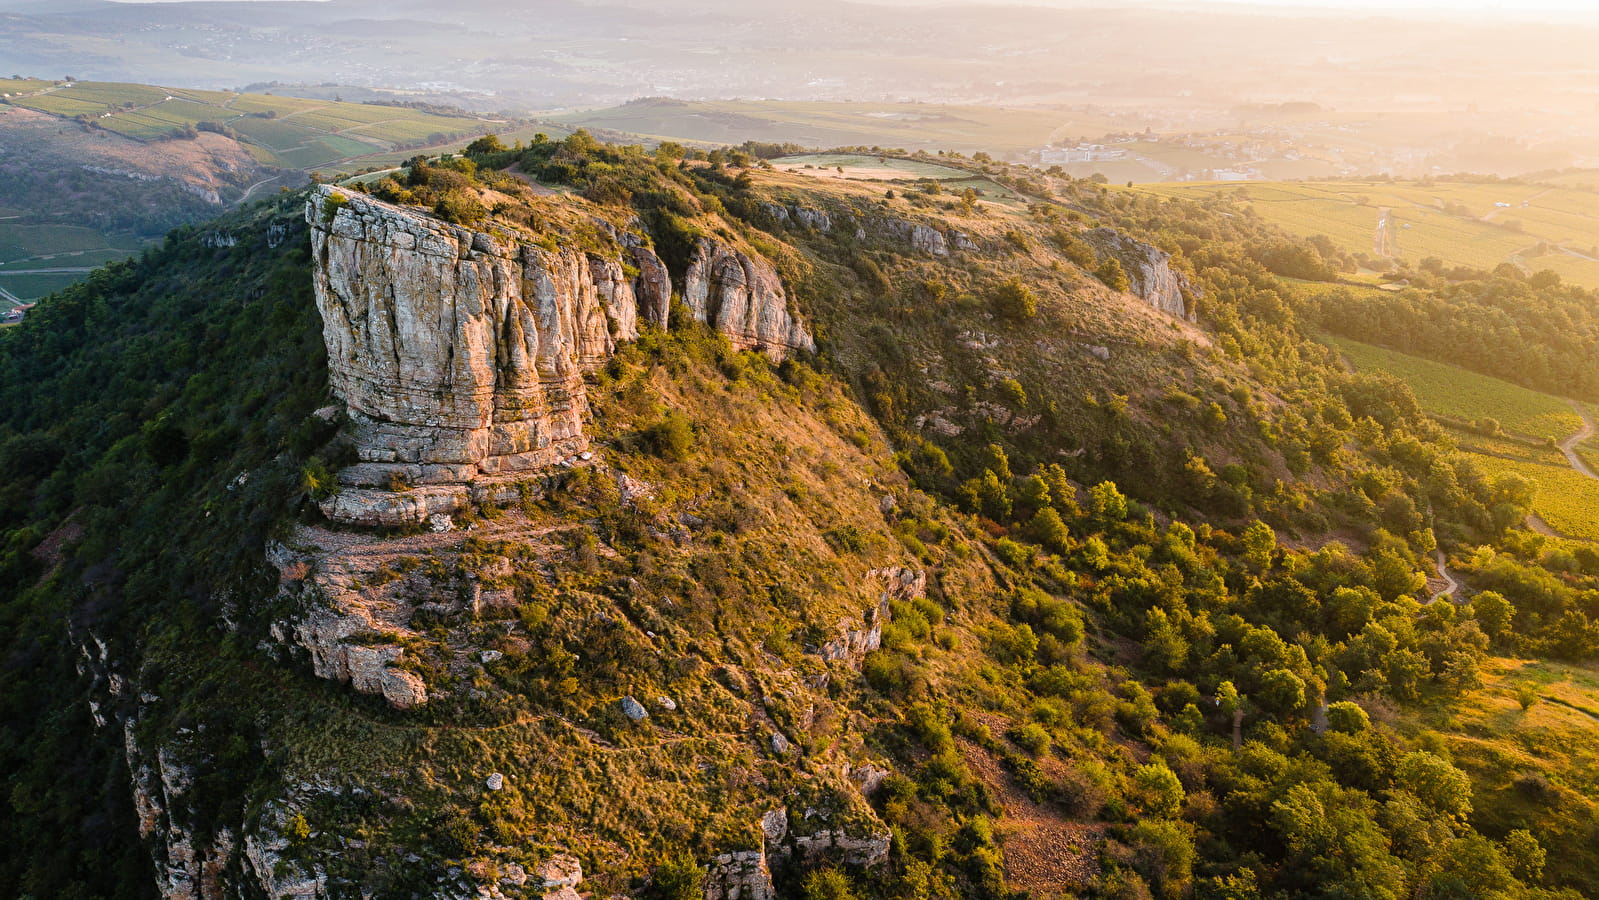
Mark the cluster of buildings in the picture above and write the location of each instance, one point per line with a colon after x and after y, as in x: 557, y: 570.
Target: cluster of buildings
x: 16, y: 314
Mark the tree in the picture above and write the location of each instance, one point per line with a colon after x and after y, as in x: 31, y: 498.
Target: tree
x: 1015, y: 300
x: 1260, y: 542
x: 1158, y: 790
x: 1494, y: 613
x: 1526, y: 856
x: 677, y: 879
x: 1443, y: 788
x: 1106, y: 502
x: 1347, y: 718
x: 1050, y: 530
x: 1113, y: 275
x: 1281, y: 691
x: 488, y: 143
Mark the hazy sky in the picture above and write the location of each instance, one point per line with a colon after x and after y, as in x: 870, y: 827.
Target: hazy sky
x: 1564, y: 10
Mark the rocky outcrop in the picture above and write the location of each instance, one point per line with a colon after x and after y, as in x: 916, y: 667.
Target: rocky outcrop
x: 852, y: 645
x: 741, y: 296
x: 742, y: 875
x: 266, y: 862
x: 919, y: 237
x: 460, y: 355
x: 1148, y: 270
x: 747, y: 874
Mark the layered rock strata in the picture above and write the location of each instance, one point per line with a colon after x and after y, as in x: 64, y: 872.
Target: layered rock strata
x: 461, y: 355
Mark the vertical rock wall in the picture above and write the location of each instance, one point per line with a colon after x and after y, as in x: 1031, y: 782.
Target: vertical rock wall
x: 460, y: 355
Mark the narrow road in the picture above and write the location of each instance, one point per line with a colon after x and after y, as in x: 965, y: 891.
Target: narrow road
x: 70, y: 270
x: 1569, y: 445
x: 1451, y: 586
x: 1384, y: 241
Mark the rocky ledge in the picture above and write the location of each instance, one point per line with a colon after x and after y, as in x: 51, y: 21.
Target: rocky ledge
x: 460, y: 355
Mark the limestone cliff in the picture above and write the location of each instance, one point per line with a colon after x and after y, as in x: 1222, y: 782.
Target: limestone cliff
x: 1148, y: 269
x: 460, y: 355
x: 741, y: 296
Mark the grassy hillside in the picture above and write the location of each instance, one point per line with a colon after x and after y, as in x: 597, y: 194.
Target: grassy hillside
x: 1173, y: 639
x: 282, y: 131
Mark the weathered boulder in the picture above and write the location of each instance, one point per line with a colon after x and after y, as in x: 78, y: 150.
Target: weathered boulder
x: 741, y: 296
x: 634, y: 710
x: 560, y: 870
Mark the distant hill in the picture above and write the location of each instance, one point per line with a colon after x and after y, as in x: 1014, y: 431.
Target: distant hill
x: 94, y: 170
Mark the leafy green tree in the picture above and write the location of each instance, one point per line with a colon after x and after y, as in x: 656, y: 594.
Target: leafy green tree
x: 677, y: 879
x: 1443, y: 788
x: 1281, y: 691
x: 488, y: 143
x: 1526, y: 855
x: 1106, y: 502
x: 1159, y: 792
x: 1113, y: 275
x: 1014, y: 300
x: 1259, y: 543
x: 1347, y: 718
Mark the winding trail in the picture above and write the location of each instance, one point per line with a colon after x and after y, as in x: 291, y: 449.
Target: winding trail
x: 1569, y: 445
x: 1451, y: 586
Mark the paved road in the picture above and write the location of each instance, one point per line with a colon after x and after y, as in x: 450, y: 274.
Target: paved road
x: 72, y: 270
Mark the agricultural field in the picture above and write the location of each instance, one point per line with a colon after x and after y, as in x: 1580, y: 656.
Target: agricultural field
x: 21, y: 242
x: 1566, y: 500
x: 912, y: 126
x: 288, y: 132
x: 869, y: 167
x: 390, y: 160
x: 1535, y: 226
x: 889, y: 170
x: 33, y: 286
x: 1453, y: 392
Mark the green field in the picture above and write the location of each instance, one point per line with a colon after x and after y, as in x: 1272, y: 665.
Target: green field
x: 283, y: 131
x: 1494, y: 740
x: 1536, y: 226
x: 1566, y: 499
x: 1451, y: 391
x: 32, y: 287
x: 871, y: 166
x: 18, y: 242
x: 911, y: 126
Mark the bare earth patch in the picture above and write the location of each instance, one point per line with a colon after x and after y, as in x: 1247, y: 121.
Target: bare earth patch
x: 1045, y: 851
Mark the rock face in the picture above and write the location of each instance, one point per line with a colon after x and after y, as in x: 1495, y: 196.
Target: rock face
x: 739, y: 876
x: 742, y: 297
x: 460, y: 355
x: 1148, y: 269
x: 851, y: 647
x: 747, y: 874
